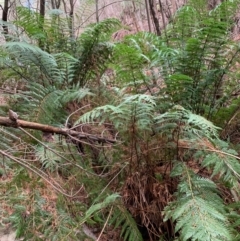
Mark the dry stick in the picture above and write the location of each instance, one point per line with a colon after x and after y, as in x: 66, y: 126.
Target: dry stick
x: 105, y: 224
x: 5, y: 121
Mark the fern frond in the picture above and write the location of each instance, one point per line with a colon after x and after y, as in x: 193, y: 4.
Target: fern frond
x: 137, y: 109
x: 66, y: 63
x: 29, y: 21
x: 94, y: 50
x: 199, y: 211
x: 224, y: 162
x: 193, y: 126
x: 43, y: 105
x: 32, y: 56
x: 49, y: 160
x: 73, y: 94
x: 122, y: 218
x: 100, y: 206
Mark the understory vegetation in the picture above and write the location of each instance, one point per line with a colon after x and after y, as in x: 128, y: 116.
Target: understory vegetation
x: 151, y: 150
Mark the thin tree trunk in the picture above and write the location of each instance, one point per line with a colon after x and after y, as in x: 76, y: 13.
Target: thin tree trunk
x: 5, y: 17
x: 154, y: 16
x: 53, y: 4
x: 71, y: 16
x: 97, y: 12
x: 42, y: 9
x: 58, y: 4
x: 162, y: 13
x: 41, y: 21
x: 148, y: 16
x: 134, y: 16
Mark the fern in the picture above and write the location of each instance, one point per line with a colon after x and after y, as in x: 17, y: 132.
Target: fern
x: 129, y: 229
x: 43, y: 103
x: 94, y: 50
x: 32, y: 56
x: 29, y: 21
x: 137, y: 109
x: 198, y: 210
x: 223, y: 162
x: 193, y: 126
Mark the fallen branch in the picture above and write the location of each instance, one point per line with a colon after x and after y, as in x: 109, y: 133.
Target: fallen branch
x: 5, y: 121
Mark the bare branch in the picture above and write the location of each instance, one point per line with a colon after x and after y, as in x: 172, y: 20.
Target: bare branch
x: 5, y: 121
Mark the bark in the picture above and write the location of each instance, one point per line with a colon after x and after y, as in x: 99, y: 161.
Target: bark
x: 41, y: 21
x: 5, y: 121
x: 148, y: 17
x: 5, y: 16
x: 42, y: 8
x: 97, y: 14
x: 154, y: 17
x: 55, y: 4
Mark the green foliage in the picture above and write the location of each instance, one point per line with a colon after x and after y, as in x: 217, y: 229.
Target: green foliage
x: 34, y: 59
x: 29, y: 21
x: 94, y: 51
x: 158, y: 110
x: 53, y: 34
x: 193, y: 126
x: 201, y: 58
x: 133, y: 110
x: 198, y: 210
x: 44, y: 104
x: 129, y: 230
x: 223, y: 163
x: 26, y: 221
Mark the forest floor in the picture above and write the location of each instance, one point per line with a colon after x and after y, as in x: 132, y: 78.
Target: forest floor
x: 7, y: 236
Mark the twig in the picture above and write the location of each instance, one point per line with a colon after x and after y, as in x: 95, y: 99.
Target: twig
x: 105, y: 224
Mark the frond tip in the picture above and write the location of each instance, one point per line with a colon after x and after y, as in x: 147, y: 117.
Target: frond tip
x: 199, y: 211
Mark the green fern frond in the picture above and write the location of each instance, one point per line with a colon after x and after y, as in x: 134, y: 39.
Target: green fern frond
x: 66, y: 63
x: 49, y: 160
x: 223, y: 161
x: 94, y: 50
x: 128, y: 56
x: 43, y: 105
x: 32, y: 56
x: 100, y: 206
x: 194, y: 126
x: 129, y: 230
x: 29, y: 21
x: 199, y: 211
x: 137, y: 109
x: 73, y: 94
x: 201, y: 55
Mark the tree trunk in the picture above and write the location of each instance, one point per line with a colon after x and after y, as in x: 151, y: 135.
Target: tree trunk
x: 148, y: 16
x: 97, y: 14
x: 154, y: 16
x: 5, y: 17
x: 41, y: 21
x: 42, y: 9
